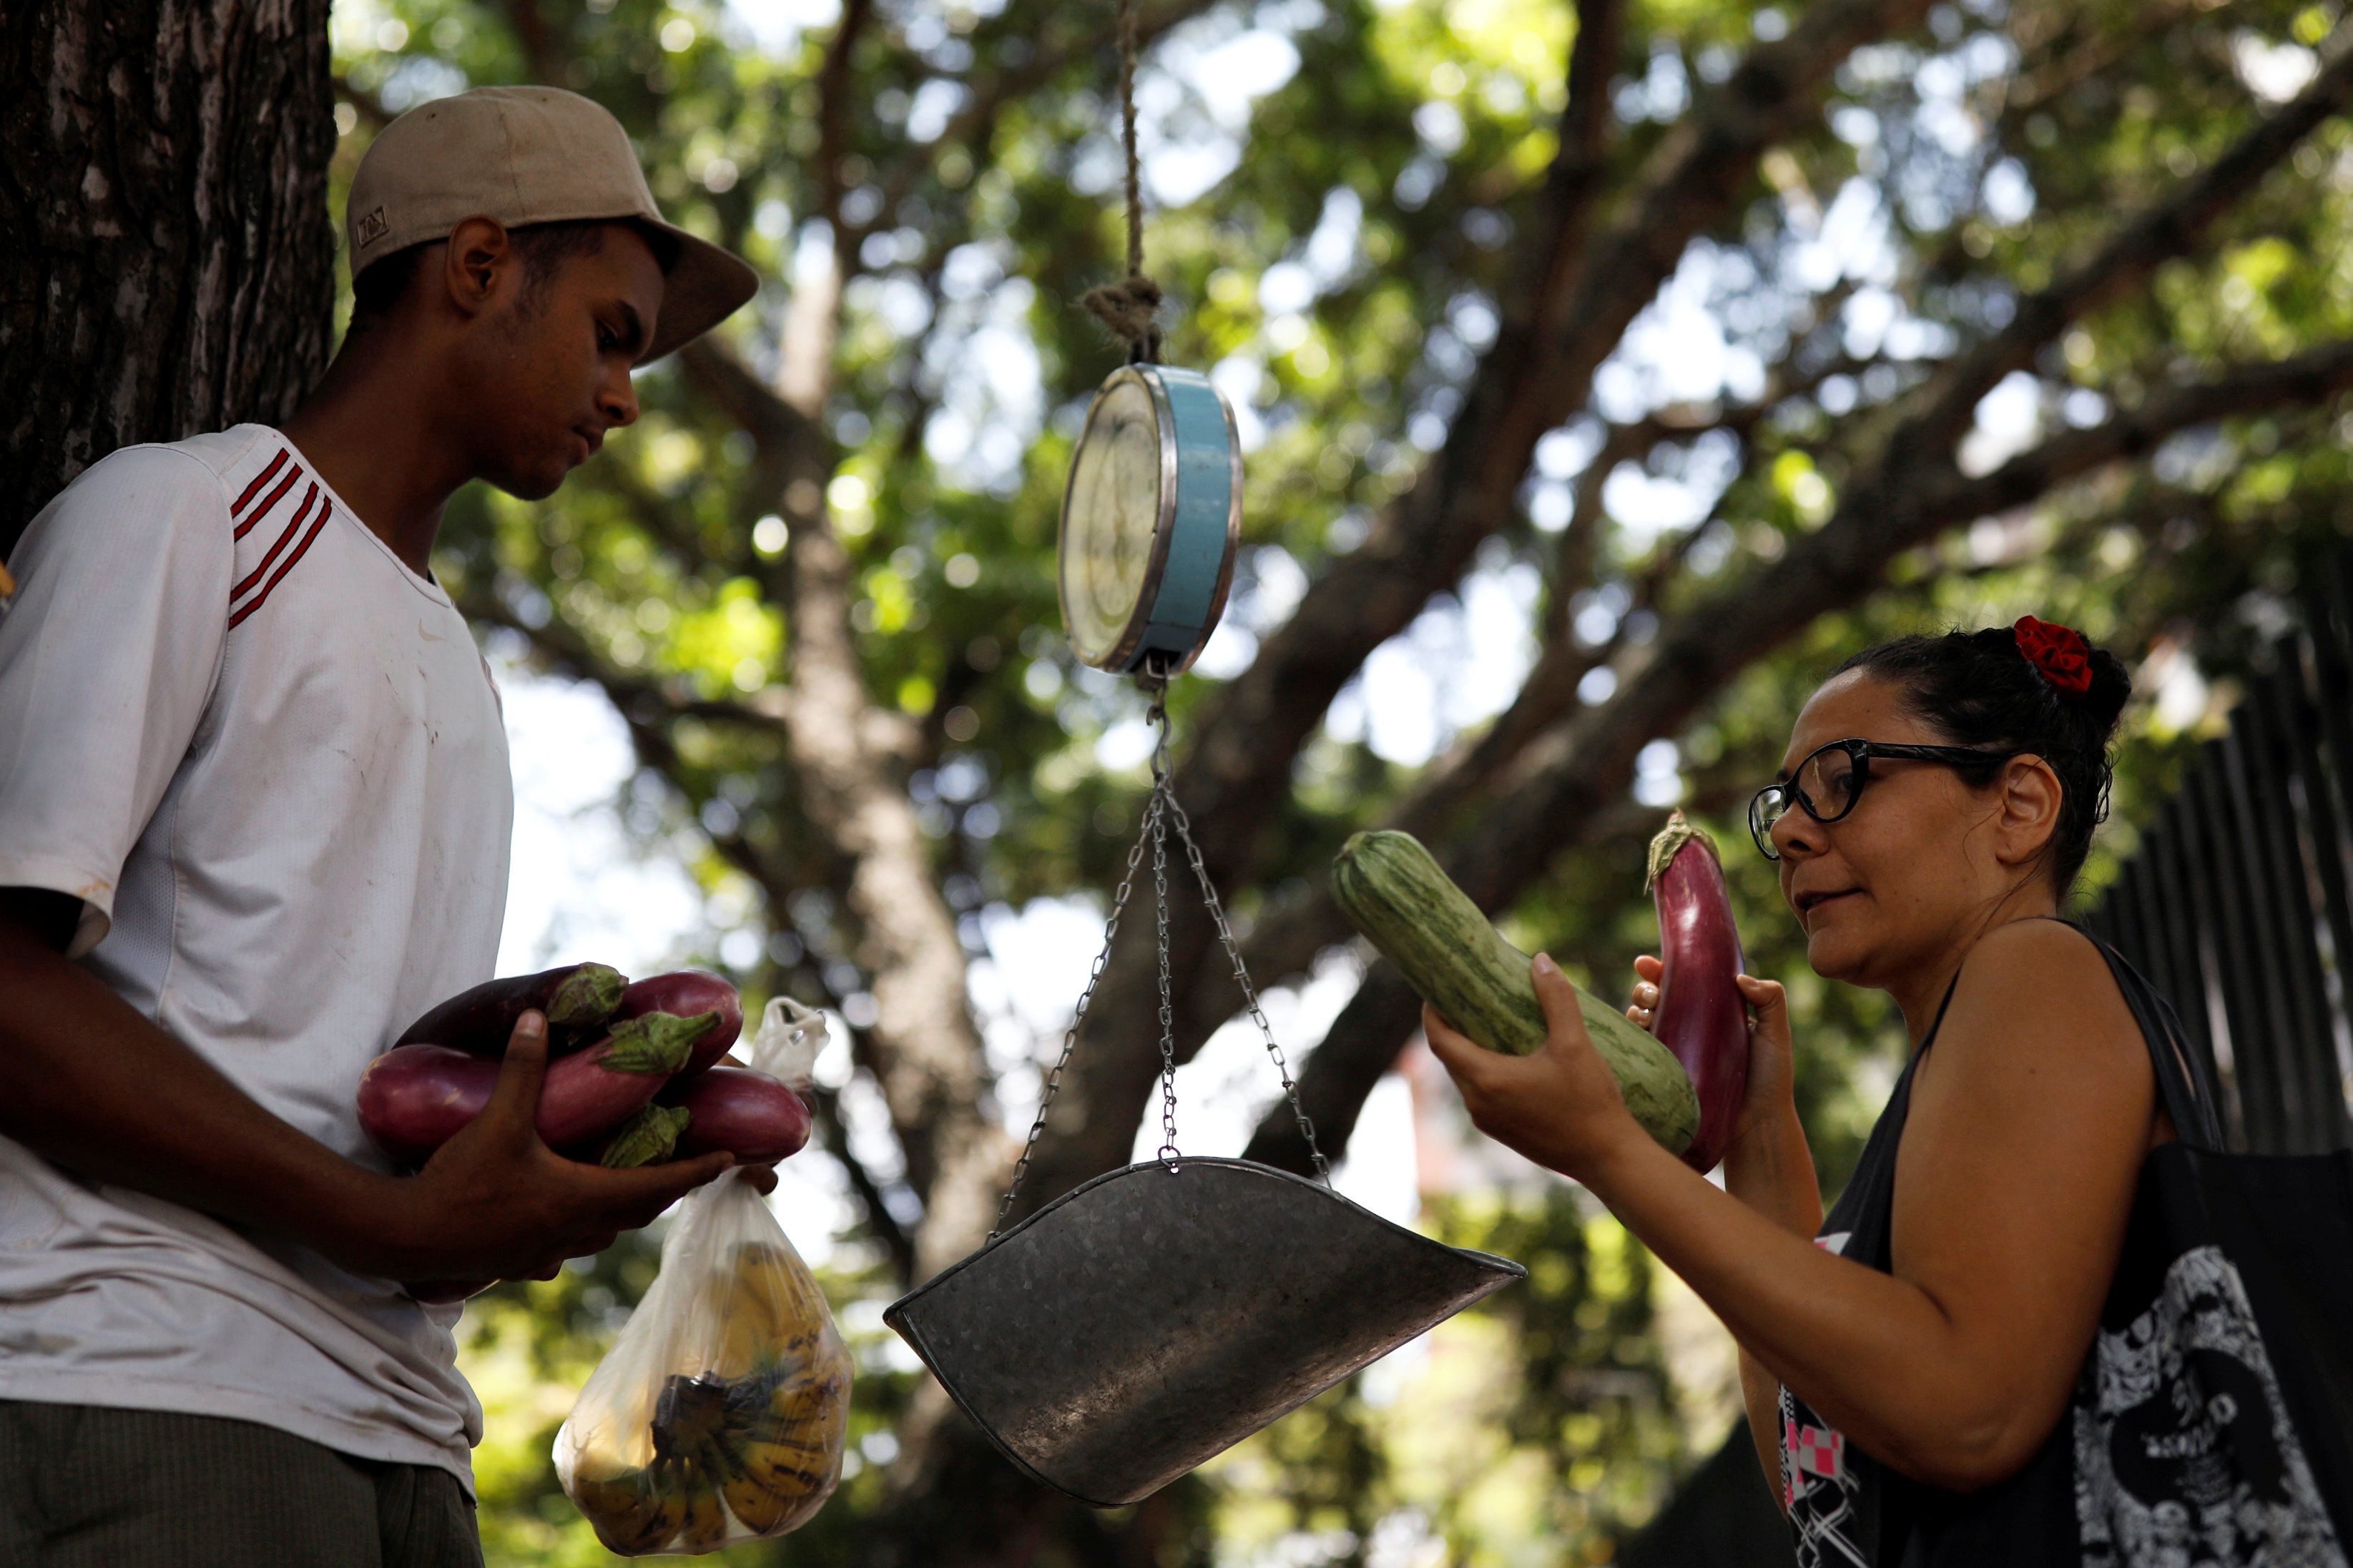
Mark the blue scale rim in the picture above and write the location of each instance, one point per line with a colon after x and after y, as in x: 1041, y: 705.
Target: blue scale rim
x: 1192, y: 564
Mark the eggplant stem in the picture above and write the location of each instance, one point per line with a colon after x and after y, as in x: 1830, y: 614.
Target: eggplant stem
x: 586, y: 996
x: 1679, y: 831
x: 656, y: 1042
x: 646, y: 1137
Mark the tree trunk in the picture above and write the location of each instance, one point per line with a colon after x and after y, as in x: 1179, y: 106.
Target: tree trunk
x: 170, y: 264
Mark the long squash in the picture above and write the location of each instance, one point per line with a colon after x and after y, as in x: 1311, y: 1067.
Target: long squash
x: 1392, y: 891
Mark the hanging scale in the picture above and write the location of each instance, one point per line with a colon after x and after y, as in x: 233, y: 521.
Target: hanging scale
x: 1136, y: 1326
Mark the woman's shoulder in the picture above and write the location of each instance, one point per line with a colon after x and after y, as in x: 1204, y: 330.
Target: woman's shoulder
x: 2037, y: 940
x: 2041, y: 968
x: 2041, y: 992
x: 2037, y: 1041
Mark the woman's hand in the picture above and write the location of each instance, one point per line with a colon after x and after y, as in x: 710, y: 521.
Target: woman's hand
x: 1561, y: 1105
x: 1772, y: 1080
x: 1771, y: 1099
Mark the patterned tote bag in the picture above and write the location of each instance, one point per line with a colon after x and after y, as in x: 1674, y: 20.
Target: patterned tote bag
x: 2214, y: 1421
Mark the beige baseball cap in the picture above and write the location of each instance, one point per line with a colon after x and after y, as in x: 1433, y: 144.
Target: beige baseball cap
x: 528, y: 155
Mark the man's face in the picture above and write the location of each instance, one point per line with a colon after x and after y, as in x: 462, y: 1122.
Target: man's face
x: 550, y: 373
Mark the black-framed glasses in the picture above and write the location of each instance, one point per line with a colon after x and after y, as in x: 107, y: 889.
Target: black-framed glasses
x: 1829, y: 780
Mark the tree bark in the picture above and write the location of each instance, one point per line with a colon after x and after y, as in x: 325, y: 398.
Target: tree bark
x: 170, y: 268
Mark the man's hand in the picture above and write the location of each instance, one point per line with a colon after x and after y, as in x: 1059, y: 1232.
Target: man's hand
x: 495, y: 1203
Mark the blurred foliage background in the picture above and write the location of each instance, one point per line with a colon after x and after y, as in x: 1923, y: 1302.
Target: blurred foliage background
x: 1608, y: 372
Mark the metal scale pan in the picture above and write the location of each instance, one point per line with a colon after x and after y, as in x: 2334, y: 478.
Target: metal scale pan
x: 1148, y: 1321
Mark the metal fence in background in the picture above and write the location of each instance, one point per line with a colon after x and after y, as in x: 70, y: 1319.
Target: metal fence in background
x: 2235, y: 903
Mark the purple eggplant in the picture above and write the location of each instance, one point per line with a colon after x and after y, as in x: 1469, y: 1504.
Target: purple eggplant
x: 413, y: 1099
x: 1700, y: 1016
x: 747, y: 1113
x: 683, y: 994
x: 577, y: 998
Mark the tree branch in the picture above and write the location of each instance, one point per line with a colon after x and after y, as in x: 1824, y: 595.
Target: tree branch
x: 1912, y: 490
x: 833, y: 114
x: 719, y: 373
x: 536, y: 39
x: 2040, y: 84
x: 848, y: 754
x: 1251, y: 732
x: 1576, y: 179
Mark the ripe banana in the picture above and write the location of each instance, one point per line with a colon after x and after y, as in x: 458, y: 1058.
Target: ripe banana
x: 761, y: 1509
x: 788, y: 1469
x: 635, y: 1511
x: 768, y: 1314
x: 620, y: 1506
x: 705, y: 1524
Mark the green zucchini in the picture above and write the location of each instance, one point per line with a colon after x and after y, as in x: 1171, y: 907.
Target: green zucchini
x: 1392, y: 891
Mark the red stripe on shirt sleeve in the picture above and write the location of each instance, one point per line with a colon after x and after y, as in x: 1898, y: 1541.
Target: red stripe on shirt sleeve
x: 259, y: 479
x: 292, y: 529
x: 275, y: 496
x: 257, y: 600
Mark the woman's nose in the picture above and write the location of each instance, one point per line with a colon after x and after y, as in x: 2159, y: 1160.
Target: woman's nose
x: 1795, y: 833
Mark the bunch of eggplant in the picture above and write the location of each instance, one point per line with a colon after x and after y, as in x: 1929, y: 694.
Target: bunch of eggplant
x: 634, y: 1071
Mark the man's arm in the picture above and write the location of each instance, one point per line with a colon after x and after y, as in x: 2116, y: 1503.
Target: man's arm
x: 88, y: 1083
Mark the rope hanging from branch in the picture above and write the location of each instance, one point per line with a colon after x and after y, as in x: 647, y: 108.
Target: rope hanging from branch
x: 1127, y: 307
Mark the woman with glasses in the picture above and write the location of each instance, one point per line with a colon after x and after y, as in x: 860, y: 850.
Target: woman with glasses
x: 1907, y: 1366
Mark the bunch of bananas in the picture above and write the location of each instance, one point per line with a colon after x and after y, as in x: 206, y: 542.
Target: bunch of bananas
x: 757, y: 1434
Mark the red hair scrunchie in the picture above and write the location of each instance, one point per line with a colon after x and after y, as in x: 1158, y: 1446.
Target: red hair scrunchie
x: 2059, y: 652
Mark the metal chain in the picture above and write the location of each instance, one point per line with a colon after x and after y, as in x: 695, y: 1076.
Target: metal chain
x: 1160, y: 792
x: 1249, y: 993
x: 1163, y: 806
x: 1164, y: 795
x: 1152, y: 817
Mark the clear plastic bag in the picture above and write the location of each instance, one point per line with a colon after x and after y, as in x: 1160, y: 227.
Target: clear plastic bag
x: 721, y: 1414
x: 790, y: 1039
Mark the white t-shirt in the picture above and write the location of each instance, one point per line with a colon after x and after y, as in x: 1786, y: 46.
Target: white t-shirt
x: 268, y: 759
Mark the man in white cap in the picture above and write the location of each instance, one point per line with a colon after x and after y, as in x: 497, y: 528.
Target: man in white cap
x: 254, y: 817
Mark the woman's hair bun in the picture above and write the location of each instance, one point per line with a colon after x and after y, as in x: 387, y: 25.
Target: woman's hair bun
x: 2111, y: 690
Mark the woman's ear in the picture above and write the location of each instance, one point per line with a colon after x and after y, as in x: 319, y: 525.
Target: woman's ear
x: 2028, y: 819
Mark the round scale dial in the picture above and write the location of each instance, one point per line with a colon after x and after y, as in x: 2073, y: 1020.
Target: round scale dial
x: 1149, y: 519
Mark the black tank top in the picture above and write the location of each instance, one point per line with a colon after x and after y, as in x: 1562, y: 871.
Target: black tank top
x: 1845, y: 1508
